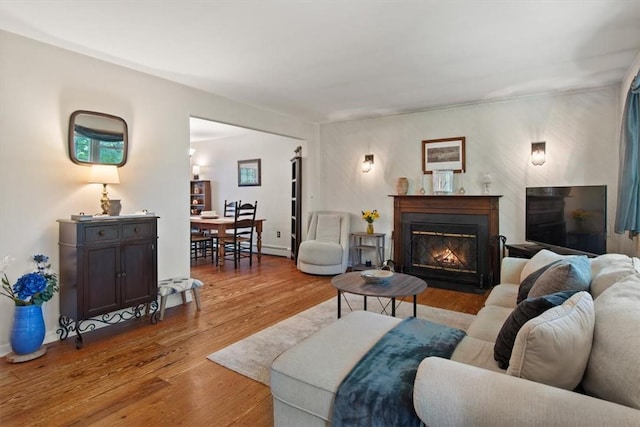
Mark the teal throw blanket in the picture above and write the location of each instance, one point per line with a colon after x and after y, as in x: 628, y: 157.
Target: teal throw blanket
x: 379, y: 389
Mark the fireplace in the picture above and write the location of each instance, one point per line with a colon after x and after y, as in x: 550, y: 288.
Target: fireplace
x: 450, y: 241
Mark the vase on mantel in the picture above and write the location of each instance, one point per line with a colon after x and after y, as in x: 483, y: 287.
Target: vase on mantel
x: 402, y: 186
x: 370, y: 228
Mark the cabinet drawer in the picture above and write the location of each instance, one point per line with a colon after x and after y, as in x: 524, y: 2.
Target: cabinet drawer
x: 137, y: 231
x: 101, y: 233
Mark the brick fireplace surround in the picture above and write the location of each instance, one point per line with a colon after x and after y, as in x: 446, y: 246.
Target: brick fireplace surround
x: 480, y: 212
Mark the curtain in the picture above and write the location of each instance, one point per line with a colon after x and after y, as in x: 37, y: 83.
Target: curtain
x: 628, y: 213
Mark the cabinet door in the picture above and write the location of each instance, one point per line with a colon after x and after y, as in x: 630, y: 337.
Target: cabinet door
x: 101, y: 290
x: 139, y: 284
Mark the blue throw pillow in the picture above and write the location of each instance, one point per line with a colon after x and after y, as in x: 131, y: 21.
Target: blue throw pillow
x: 525, y: 311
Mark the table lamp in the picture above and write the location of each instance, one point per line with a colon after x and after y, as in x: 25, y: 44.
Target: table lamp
x: 104, y: 174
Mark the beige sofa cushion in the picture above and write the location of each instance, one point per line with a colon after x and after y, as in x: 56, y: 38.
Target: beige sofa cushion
x: 475, y: 352
x: 607, y: 260
x: 488, y: 322
x: 613, y: 372
x: 554, y: 347
x: 607, y: 275
x: 503, y: 295
x: 528, y: 309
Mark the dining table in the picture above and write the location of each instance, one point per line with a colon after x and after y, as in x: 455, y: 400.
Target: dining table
x: 221, y: 225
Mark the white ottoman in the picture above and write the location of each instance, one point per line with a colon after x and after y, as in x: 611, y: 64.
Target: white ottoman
x: 175, y: 285
x: 305, y: 378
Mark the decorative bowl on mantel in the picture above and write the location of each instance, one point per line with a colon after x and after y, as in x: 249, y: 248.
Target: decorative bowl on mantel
x: 377, y: 277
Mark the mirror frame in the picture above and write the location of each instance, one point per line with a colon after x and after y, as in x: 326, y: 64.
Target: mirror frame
x: 71, y: 139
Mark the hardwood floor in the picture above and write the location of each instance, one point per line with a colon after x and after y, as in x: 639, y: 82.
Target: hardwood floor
x: 136, y: 373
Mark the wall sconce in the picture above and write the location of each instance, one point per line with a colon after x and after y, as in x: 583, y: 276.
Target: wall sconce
x: 196, y: 172
x: 192, y: 151
x: 538, y: 153
x: 367, y: 165
x: 104, y: 174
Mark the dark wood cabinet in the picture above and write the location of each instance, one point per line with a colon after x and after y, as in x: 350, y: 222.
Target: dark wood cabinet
x: 107, y: 265
x: 296, y: 205
x: 200, y: 192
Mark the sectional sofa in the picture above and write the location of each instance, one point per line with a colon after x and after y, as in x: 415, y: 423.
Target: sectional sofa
x: 576, y: 362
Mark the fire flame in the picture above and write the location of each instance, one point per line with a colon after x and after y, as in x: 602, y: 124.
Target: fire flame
x: 447, y: 257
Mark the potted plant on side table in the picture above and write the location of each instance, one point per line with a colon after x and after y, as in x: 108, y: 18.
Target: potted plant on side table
x: 28, y: 294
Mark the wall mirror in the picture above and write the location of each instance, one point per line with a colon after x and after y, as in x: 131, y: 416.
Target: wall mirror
x: 97, y: 139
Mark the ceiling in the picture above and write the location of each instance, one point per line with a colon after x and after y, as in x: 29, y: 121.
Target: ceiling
x: 333, y: 60
x: 207, y: 130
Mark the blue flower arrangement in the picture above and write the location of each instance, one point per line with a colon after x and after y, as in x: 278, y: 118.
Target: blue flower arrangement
x: 33, y: 288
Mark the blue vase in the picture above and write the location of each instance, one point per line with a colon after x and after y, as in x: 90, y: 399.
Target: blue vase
x: 28, y: 329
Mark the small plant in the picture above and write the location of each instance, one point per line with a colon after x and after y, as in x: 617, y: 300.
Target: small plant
x: 33, y: 288
x: 580, y: 215
x: 370, y: 216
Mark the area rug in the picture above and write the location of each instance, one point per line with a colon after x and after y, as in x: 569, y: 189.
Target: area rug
x: 252, y: 356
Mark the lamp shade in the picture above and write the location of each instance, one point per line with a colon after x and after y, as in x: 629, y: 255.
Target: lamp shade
x: 367, y: 165
x: 104, y: 174
x: 538, y: 153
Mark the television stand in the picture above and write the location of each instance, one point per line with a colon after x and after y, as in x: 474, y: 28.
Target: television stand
x: 523, y: 251
x: 530, y: 249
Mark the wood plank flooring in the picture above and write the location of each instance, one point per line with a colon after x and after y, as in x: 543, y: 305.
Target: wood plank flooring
x: 136, y: 373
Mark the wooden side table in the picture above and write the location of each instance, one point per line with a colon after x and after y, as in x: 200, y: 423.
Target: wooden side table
x: 366, y: 242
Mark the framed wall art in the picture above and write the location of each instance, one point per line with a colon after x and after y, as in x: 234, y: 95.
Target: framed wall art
x: 447, y: 153
x: 249, y: 173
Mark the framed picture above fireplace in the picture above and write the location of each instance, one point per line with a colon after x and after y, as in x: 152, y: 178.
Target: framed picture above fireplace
x: 447, y: 153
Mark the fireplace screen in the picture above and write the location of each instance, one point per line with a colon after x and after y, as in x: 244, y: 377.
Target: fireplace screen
x: 445, y: 250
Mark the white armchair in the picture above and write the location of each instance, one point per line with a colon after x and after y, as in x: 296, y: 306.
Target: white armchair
x: 325, y: 250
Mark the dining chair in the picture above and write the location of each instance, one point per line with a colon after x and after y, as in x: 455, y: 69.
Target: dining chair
x: 230, y: 208
x: 239, y: 242
x: 202, y: 246
x: 228, y: 211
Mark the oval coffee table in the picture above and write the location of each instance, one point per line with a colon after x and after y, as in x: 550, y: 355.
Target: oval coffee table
x: 400, y: 285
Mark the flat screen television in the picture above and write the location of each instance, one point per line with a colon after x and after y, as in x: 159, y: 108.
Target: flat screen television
x: 568, y: 217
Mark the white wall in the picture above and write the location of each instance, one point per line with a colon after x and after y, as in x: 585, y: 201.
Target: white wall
x: 580, y: 130
x: 40, y: 87
x: 218, y: 163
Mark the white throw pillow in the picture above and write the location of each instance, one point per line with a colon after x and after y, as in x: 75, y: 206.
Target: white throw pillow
x: 608, y: 276
x: 613, y: 372
x: 328, y: 228
x: 554, y: 347
x: 607, y: 260
x: 538, y: 261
